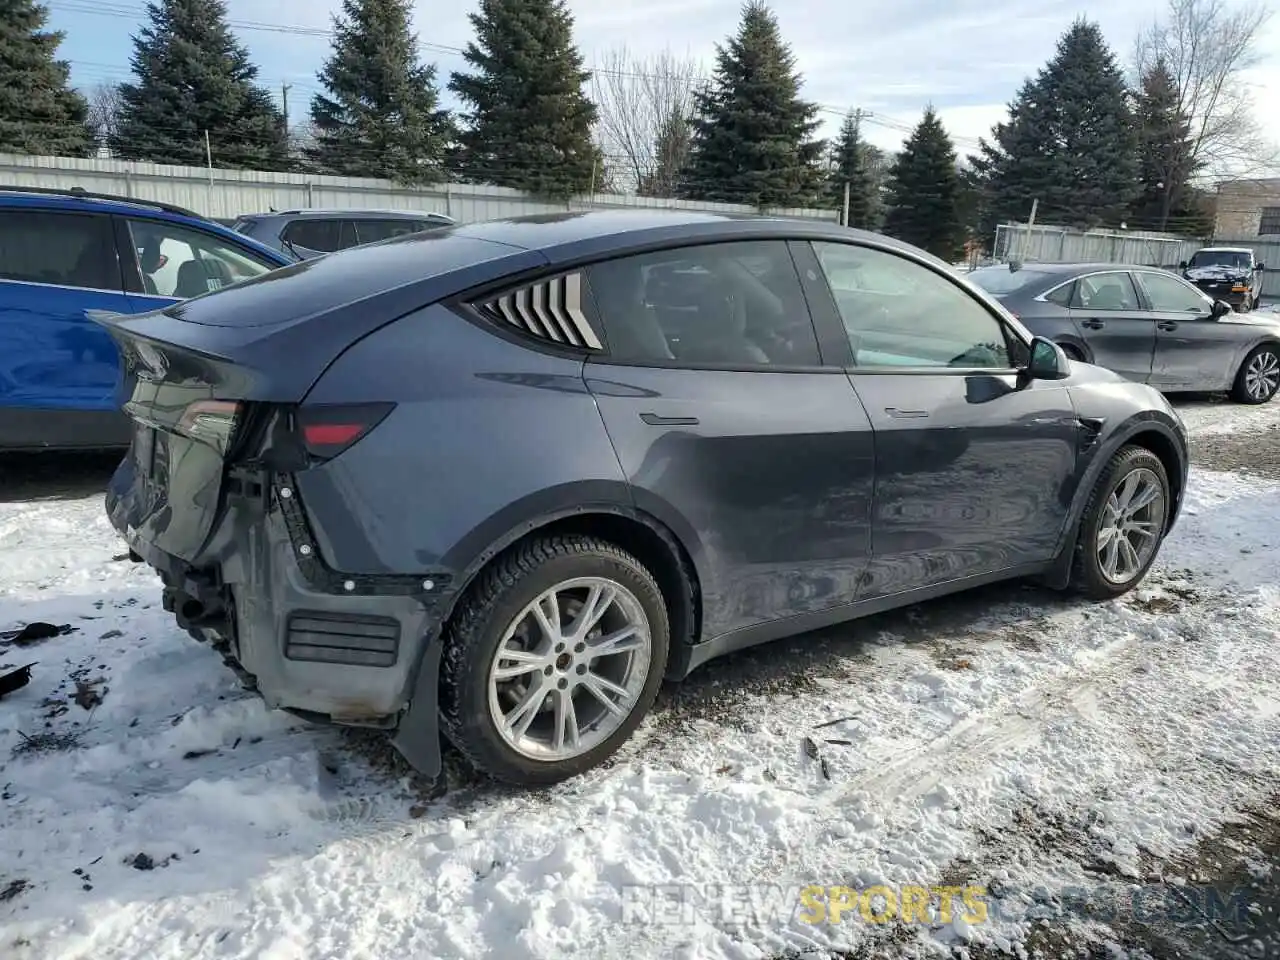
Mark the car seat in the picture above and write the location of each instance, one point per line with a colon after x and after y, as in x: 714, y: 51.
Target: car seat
x: 719, y: 332
x: 1109, y: 296
x: 149, y: 263
x: 192, y: 280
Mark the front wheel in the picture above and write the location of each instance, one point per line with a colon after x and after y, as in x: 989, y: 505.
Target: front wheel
x: 553, y: 660
x: 1123, y: 525
x: 1258, y: 377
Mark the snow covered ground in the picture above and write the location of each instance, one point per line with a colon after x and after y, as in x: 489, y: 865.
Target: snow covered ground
x: 151, y: 809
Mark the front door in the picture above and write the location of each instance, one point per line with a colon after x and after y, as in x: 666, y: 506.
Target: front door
x: 1111, y: 318
x: 1194, y: 351
x: 973, y: 462
x: 729, y: 429
x: 57, y: 367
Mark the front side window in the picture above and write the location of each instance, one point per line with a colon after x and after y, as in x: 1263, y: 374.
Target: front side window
x: 1105, y: 292
x: 900, y: 313
x: 182, y: 262
x: 372, y: 231
x: 320, y: 235
x: 1168, y: 294
x: 63, y: 249
x: 726, y: 304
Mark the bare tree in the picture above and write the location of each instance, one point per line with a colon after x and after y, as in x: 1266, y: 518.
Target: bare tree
x: 104, y: 111
x: 637, y: 98
x: 1207, y: 46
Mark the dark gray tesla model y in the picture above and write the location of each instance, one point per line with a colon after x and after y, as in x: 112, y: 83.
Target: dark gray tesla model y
x: 1146, y: 324
x: 498, y: 480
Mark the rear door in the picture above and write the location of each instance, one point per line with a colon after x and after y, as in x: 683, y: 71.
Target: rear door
x: 1114, y: 323
x: 1194, y: 350
x: 373, y: 231
x: 731, y: 431
x: 57, y: 368
x: 972, y: 460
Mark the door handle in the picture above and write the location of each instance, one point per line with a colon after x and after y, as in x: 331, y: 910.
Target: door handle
x: 905, y: 414
x: 1167, y: 325
x: 655, y: 420
x: 1093, y: 324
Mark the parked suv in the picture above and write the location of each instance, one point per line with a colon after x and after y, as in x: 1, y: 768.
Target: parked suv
x: 312, y: 233
x: 1226, y: 273
x: 500, y: 479
x: 65, y: 252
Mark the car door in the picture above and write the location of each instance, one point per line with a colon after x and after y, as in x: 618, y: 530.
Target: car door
x: 57, y: 367
x: 731, y: 431
x: 167, y: 261
x: 312, y: 237
x: 974, y: 462
x: 1114, y: 324
x: 1194, y: 350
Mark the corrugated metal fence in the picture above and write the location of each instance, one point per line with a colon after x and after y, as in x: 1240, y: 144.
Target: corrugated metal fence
x: 226, y: 194
x: 1050, y: 244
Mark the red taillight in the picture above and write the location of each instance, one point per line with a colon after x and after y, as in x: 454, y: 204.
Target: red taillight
x: 329, y: 429
x: 210, y: 421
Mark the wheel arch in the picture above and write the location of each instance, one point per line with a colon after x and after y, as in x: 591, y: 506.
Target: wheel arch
x: 651, y: 541
x: 1147, y: 430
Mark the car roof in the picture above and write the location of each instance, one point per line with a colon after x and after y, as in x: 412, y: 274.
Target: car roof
x: 353, y: 212
x: 1225, y: 250
x: 141, y: 209
x: 1072, y: 269
x: 562, y: 237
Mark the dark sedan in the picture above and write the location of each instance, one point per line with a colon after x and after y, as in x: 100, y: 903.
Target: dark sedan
x: 1146, y: 324
x: 501, y: 479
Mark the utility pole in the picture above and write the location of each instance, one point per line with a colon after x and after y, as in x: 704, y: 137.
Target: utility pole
x: 844, y: 216
x: 284, y: 106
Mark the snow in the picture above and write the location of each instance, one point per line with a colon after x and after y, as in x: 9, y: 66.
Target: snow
x: 1009, y: 734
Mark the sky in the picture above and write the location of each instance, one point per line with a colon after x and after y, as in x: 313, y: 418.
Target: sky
x: 888, y: 57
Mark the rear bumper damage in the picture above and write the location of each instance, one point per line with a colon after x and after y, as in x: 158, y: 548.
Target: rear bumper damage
x: 356, y: 652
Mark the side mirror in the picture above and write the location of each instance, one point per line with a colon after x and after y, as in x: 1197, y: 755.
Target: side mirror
x: 1220, y: 309
x: 1182, y: 265
x: 1048, y: 361
x: 1261, y: 267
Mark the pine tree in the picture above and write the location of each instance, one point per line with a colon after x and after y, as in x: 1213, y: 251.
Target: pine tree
x: 40, y: 114
x: 193, y: 77
x: 381, y: 116
x: 1069, y: 140
x: 924, y: 191
x: 528, y: 123
x: 851, y: 165
x: 752, y: 134
x: 1164, y: 152
x: 671, y: 153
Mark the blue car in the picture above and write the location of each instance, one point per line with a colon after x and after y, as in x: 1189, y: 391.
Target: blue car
x: 63, y: 253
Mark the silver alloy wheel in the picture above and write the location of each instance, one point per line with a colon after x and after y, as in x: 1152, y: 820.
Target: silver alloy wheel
x: 1131, y: 525
x: 570, y: 669
x: 1262, y: 376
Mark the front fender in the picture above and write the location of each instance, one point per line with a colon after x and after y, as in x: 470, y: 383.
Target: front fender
x: 1157, y: 428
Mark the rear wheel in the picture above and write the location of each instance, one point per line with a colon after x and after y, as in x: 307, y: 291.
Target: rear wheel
x: 1258, y: 377
x: 1123, y: 525
x: 553, y: 660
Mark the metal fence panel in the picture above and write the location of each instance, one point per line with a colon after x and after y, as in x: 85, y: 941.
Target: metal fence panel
x: 227, y: 194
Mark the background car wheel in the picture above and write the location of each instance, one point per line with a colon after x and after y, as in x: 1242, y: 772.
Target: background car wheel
x: 1073, y: 352
x: 1259, y: 376
x: 1123, y: 525
x: 553, y: 659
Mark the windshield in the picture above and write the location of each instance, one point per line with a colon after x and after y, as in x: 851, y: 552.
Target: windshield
x: 1001, y: 280
x: 1235, y: 259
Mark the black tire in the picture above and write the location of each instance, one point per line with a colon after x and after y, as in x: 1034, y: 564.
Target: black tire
x: 1073, y: 352
x: 500, y: 593
x: 1087, y: 577
x: 1240, y: 391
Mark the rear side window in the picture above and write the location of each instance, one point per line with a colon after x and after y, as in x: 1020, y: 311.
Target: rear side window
x: 1105, y: 292
x: 371, y: 231
x: 180, y: 262
x: 321, y: 235
x: 66, y: 249
x: 726, y: 304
